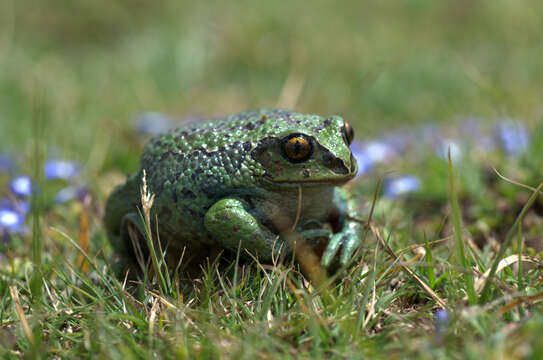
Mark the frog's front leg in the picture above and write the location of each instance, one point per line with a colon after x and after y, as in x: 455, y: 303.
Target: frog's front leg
x: 229, y: 222
x: 349, y: 236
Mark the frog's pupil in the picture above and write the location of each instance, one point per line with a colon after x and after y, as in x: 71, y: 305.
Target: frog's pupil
x: 297, y: 147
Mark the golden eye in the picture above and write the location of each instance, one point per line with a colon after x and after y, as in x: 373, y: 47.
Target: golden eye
x: 297, y: 147
x: 349, y: 133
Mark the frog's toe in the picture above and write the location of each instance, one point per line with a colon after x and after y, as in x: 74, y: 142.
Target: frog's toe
x: 331, y: 250
x: 349, y: 246
x: 314, y: 236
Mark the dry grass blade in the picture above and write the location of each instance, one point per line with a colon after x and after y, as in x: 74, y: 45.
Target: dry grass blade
x: 410, y: 272
x: 526, y: 299
x: 508, y: 238
x: 83, y: 238
x: 162, y: 300
x: 511, y: 181
x: 19, y: 308
x: 152, y: 316
x: 147, y: 199
x: 505, y: 262
x: 371, y: 309
x: 368, y: 222
x: 304, y: 307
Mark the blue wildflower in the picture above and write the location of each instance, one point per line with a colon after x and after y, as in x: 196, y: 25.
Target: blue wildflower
x: 394, y: 187
x: 152, y: 123
x: 11, y: 220
x: 443, y: 146
x: 59, y: 169
x: 21, y: 186
x: 12, y: 217
x: 513, y: 137
x: 379, y: 151
x: 70, y: 193
x: 441, y: 321
x: 365, y: 163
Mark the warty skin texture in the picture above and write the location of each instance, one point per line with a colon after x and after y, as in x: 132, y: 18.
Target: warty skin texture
x: 230, y: 182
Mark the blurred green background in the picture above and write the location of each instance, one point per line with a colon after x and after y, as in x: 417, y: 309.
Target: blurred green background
x: 85, y: 68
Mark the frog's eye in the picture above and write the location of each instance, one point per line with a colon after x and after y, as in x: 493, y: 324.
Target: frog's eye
x: 348, y: 132
x: 297, y: 147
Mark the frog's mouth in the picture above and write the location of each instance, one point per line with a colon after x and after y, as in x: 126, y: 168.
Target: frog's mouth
x: 322, y: 181
x: 306, y: 177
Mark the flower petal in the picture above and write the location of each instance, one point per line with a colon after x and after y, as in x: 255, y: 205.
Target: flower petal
x: 21, y: 186
x: 394, y: 187
x: 513, y: 137
x: 10, y: 219
x: 61, y: 169
x: 70, y: 193
x: 152, y: 123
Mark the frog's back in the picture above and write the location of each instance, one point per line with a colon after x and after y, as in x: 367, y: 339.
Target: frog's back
x: 190, y: 168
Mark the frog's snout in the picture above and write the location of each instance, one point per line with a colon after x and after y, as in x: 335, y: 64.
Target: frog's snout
x: 354, y: 165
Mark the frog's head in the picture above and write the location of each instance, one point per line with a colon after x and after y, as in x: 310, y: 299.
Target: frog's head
x: 308, y: 149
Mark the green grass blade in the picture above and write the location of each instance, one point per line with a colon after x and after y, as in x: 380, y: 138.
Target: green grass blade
x: 485, y: 293
x: 457, y: 225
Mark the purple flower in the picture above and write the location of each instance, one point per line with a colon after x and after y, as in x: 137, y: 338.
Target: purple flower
x: 59, y: 169
x: 513, y: 137
x: 70, y: 193
x: 365, y: 164
x: 379, y: 151
x: 11, y: 220
x: 21, y: 186
x: 394, y: 187
x: 6, y: 163
x: 441, y: 320
x: 12, y: 216
x: 152, y: 123
x: 443, y: 146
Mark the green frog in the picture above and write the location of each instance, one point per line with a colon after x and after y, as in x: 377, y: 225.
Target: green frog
x: 242, y: 182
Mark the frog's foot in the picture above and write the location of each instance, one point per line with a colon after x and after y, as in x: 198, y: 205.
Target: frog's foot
x: 230, y: 223
x: 348, y: 239
x: 314, y: 232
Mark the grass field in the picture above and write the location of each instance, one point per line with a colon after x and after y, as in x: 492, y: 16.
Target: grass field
x: 438, y: 275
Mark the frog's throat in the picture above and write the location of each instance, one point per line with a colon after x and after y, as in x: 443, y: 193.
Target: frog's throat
x: 317, y: 182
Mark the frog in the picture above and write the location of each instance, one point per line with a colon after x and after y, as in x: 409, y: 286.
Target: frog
x: 240, y: 183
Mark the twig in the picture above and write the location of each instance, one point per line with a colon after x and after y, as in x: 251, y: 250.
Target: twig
x: 410, y: 272
x: 26, y: 329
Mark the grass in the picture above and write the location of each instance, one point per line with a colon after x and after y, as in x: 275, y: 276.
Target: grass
x: 74, y: 75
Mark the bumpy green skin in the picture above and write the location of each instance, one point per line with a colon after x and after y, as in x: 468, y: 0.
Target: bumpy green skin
x: 227, y: 183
